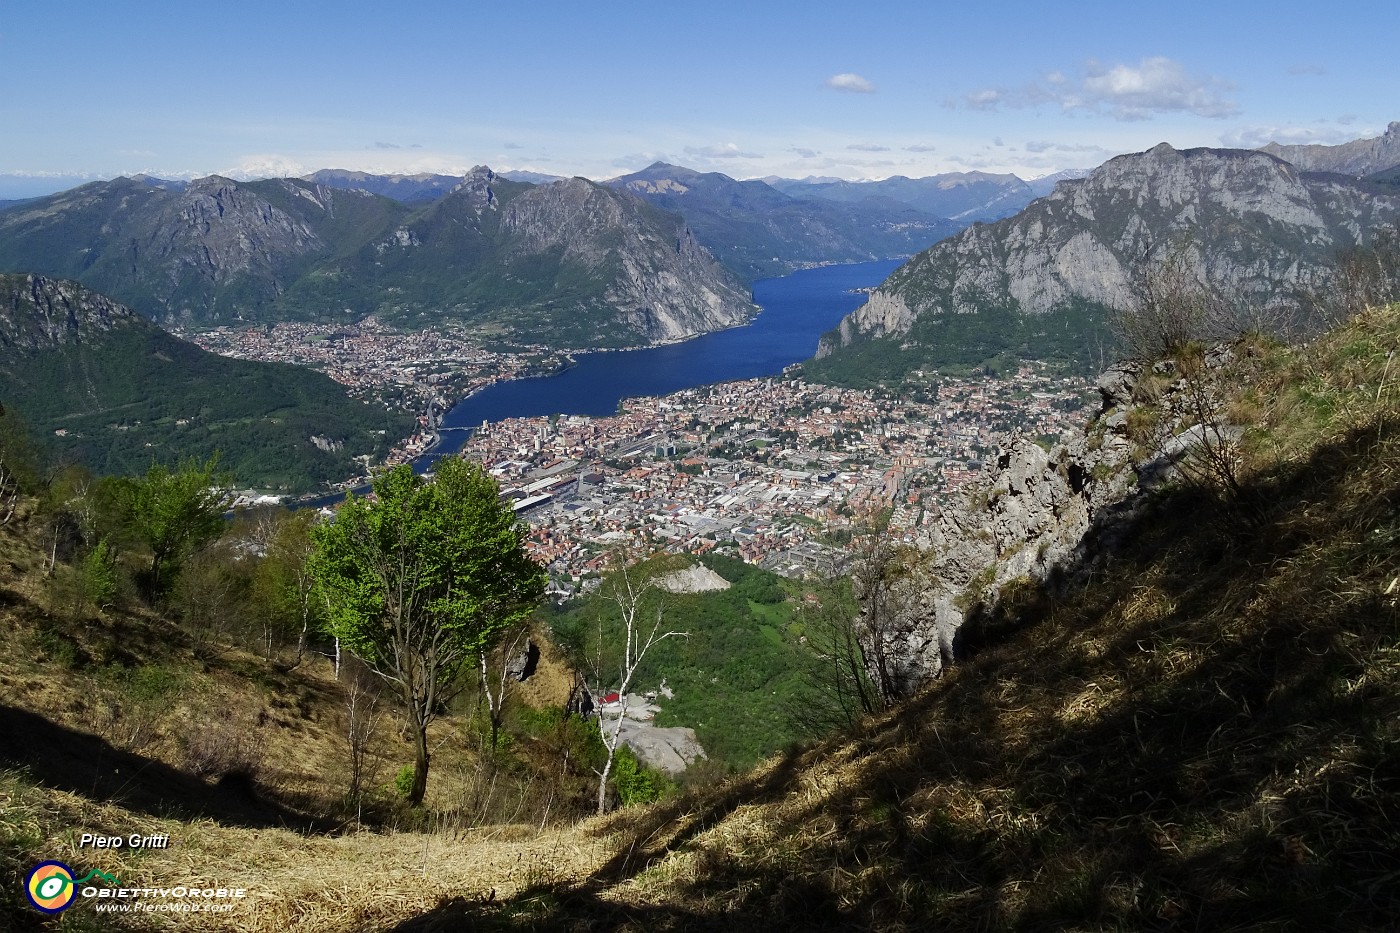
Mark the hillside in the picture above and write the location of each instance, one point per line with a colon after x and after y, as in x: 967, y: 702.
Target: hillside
x: 1041, y: 284
x: 1201, y: 733
x: 106, y: 387
x: 1198, y: 731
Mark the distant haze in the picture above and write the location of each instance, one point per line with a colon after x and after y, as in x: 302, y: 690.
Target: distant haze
x: 752, y: 90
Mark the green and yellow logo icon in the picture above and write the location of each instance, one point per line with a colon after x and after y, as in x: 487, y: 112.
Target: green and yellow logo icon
x: 50, y: 887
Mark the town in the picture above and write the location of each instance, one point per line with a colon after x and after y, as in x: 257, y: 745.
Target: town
x: 779, y: 472
x: 414, y: 371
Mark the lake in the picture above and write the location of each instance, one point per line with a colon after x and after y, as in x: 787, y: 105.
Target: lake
x: 797, y: 310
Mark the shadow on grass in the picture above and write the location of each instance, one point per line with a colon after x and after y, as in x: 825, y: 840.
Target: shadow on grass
x: 1206, y: 736
x: 59, y: 757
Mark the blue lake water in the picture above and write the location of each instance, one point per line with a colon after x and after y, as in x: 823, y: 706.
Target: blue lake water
x: 797, y: 310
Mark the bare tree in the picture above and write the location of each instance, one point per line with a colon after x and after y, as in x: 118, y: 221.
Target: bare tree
x: 16, y: 462
x: 362, y: 694
x: 498, y: 669
x: 1214, y: 454
x: 1172, y: 308
x: 879, y: 581
x: 637, y: 592
x: 1369, y: 276
x: 841, y: 691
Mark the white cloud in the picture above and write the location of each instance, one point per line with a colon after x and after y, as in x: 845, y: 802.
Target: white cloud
x: 846, y: 81
x: 985, y: 99
x: 1040, y: 145
x: 1156, y: 85
x: 868, y: 147
x: 920, y: 148
x: 1252, y: 137
x: 1124, y: 92
x: 805, y: 153
x: 639, y: 160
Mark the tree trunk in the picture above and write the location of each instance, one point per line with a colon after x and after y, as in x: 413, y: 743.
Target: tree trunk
x: 420, y: 766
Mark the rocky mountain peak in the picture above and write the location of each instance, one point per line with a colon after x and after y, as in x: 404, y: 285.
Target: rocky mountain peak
x: 1257, y: 228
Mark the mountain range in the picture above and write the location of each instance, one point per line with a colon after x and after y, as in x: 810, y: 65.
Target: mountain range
x: 958, y: 196
x: 1358, y: 157
x: 757, y: 230
x: 1040, y: 283
x: 572, y: 264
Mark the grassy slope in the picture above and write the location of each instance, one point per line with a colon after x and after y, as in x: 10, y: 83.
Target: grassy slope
x: 1205, y: 737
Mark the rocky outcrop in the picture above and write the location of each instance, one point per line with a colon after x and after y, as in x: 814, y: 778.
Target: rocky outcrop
x: 1250, y: 224
x: 39, y: 313
x: 660, y: 283
x: 1043, y: 516
x: 694, y: 579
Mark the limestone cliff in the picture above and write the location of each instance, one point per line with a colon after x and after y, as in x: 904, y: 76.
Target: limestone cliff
x: 1046, y: 517
x: 1251, y: 224
x: 39, y: 314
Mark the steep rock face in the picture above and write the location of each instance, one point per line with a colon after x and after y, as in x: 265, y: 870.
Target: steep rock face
x: 661, y: 283
x: 38, y: 313
x: 1250, y: 224
x: 1358, y: 157
x: 1039, y: 515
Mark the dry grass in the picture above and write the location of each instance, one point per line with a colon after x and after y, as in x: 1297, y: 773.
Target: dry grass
x: 1205, y: 737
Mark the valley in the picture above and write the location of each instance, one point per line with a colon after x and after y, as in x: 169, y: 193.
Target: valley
x: 677, y: 469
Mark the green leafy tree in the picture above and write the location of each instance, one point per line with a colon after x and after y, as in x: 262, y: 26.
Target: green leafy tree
x: 420, y: 581
x: 174, y: 512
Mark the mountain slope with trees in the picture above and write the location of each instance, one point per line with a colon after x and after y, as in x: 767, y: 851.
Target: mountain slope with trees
x: 105, y: 386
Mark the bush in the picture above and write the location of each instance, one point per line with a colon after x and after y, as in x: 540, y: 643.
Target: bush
x: 636, y: 783
x: 403, y: 781
x: 224, y: 744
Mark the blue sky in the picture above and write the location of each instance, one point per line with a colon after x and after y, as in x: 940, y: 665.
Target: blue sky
x: 93, y: 90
